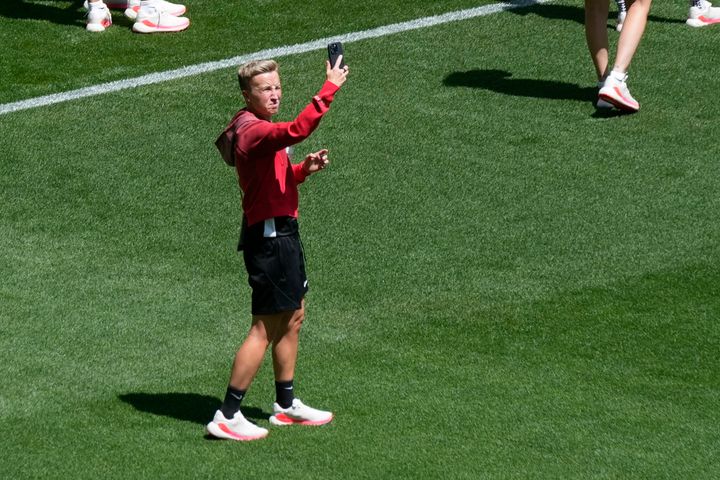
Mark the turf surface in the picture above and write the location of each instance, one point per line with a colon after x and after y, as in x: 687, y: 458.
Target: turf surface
x: 504, y: 283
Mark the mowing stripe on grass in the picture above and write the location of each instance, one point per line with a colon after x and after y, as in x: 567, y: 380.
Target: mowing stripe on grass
x: 268, y: 53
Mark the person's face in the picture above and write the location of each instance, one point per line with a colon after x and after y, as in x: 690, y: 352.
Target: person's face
x: 263, y: 95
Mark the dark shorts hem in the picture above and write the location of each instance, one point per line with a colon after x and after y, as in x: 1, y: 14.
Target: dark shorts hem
x: 276, y: 274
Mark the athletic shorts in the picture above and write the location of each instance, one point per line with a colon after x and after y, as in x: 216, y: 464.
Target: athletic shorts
x: 275, y: 266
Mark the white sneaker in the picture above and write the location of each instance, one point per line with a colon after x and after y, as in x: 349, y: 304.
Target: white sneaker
x: 299, y: 414
x: 620, y: 21
x: 151, y: 19
x: 98, y: 17
x: 174, y: 9
x: 703, y: 16
x: 239, y: 428
x: 615, y: 92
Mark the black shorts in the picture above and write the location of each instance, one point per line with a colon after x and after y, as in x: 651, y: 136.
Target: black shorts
x: 276, y: 267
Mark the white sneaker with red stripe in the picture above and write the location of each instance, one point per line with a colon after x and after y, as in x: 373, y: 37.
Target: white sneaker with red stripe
x: 152, y: 19
x: 615, y: 92
x: 98, y: 17
x: 703, y: 16
x: 174, y: 9
x: 299, y: 414
x: 238, y: 428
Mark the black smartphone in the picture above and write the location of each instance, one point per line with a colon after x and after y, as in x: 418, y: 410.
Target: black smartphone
x: 335, y: 49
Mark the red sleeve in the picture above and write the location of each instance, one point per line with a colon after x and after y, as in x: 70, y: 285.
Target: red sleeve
x: 276, y: 136
x: 299, y: 172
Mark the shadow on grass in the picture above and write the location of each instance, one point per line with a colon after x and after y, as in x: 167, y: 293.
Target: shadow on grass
x: 500, y: 81
x: 610, y: 113
x: 573, y: 13
x: 72, y: 14
x: 189, y: 407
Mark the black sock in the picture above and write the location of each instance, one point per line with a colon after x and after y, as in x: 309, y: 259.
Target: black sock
x: 284, y: 394
x: 231, y: 404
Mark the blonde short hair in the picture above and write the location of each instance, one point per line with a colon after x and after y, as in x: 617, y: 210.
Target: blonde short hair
x: 256, y: 67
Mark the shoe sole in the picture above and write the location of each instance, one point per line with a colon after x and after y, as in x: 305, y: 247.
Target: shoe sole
x: 619, y: 103
x: 147, y: 26
x: 222, y: 431
x: 97, y: 27
x: 702, y: 21
x: 282, y: 420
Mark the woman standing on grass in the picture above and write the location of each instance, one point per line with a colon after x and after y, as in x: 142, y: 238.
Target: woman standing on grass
x: 270, y: 241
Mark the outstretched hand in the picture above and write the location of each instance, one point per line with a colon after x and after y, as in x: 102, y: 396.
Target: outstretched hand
x: 314, y: 162
x: 334, y: 73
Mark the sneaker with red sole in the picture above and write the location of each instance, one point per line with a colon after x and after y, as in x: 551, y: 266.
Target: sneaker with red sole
x: 616, y: 92
x: 174, y: 9
x: 151, y: 19
x: 704, y: 15
x: 98, y: 17
x: 299, y: 414
x: 237, y: 428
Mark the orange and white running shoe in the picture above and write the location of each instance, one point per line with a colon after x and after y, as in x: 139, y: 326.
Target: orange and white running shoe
x: 152, y: 19
x: 174, y: 9
x: 98, y: 17
x: 703, y: 16
x: 615, y: 92
x: 238, y: 428
x: 299, y: 414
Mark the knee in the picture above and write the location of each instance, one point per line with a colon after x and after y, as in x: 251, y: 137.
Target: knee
x: 259, y: 334
x: 296, y: 320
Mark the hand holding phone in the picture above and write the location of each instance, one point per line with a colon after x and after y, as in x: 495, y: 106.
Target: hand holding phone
x: 335, y: 49
x: 337, y: 70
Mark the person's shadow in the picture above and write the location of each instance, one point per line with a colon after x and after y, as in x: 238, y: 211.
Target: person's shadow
x: 501, y: 81
x: 72, y: 14
x: 573, y: 13
x: 23, y: 10
x: 188, y: 407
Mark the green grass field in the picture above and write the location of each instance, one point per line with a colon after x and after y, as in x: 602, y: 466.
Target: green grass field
x: 504, y: 283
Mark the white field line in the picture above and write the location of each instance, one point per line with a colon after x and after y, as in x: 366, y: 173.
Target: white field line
x: 318, y: 44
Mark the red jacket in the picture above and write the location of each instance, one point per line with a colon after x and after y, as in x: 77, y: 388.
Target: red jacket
x: 267, y: 178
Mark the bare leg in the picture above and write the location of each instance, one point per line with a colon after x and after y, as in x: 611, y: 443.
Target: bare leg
x: 285, y: 346
x: 250, y: 355
x: 631, y: 33
x: 596, y: 15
